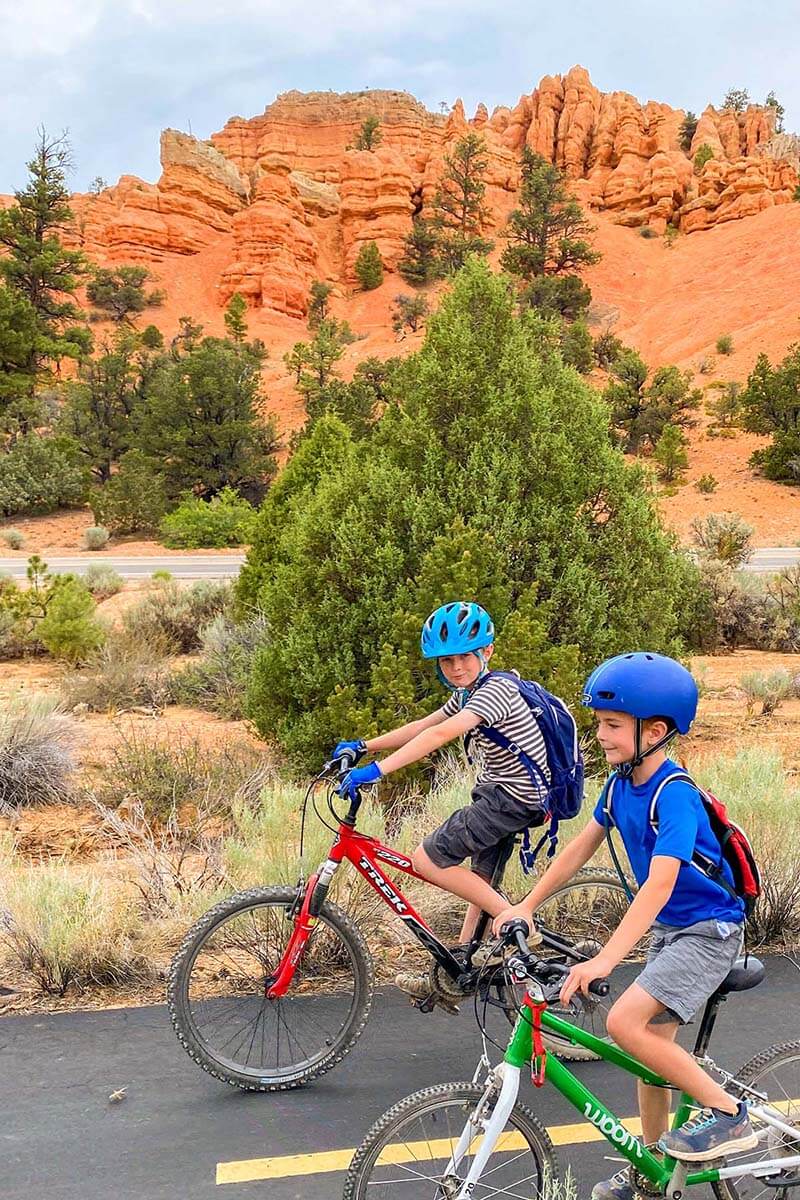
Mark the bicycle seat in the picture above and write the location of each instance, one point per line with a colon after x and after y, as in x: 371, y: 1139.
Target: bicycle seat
x: 747, y: 972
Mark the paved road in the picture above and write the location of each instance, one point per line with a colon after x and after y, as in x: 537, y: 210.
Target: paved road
x: 774, y: 558
x: 182, y: 566
x: 61, y: 1138
x: 226, y: 566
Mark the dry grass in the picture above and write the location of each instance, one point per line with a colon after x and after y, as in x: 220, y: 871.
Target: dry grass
x: 36, y: 754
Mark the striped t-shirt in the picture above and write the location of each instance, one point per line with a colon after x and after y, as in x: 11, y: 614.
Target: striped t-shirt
x: 499, y: 703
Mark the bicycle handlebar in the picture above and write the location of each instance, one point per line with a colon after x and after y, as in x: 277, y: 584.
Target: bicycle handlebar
x: 544, y: 970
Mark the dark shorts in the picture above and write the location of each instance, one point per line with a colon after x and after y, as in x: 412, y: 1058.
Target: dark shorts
x: 478, y: 830
x: 685, y: 965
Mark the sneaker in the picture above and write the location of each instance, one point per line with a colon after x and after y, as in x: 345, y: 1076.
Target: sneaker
x: 618, y: 1187
x: 420, y: 987
x: 710, y: 1134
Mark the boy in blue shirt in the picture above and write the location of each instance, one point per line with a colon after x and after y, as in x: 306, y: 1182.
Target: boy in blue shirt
x: 641, y: 701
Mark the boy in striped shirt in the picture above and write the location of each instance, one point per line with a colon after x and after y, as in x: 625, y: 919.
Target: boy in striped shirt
x: 505, y: 798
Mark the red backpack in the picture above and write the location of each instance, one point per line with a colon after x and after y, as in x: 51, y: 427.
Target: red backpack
x: 735, y: 848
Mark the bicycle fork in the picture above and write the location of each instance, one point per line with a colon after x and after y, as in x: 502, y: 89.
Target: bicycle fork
x: 492, y: 1128
x: 278, y: 983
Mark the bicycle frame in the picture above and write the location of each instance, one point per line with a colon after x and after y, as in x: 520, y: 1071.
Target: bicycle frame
x: 366, y: 854
x: 669, y: 1176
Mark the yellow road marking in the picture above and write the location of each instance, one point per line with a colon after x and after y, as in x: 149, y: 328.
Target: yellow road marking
x: 248, y: 1170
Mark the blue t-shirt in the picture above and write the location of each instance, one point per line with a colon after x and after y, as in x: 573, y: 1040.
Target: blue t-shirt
x: 683, y: 827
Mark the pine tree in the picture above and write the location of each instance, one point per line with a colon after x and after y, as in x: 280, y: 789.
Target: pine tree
x: 459, y: 213
x: 197, y: 421
x: 409, y: 311
x: 120, y: 292
x: 18, y: 338
x: 36, y: 265
x: 420, y: 264
x: 449, y: 495
x: 313, y: 363
x: 236, y: 318
x: 547, y: 238
x: 369, y: 267
x: 99, y: 404
x: 687, y: 131
x: 318, y: 303
x: 670, y: 453
x: 369, y: 135
x: 736, y: 99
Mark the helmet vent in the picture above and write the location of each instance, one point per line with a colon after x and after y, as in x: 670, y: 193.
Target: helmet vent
x: 606, y: 695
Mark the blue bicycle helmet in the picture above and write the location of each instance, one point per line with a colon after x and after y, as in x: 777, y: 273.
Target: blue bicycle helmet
x: 644, y: 685
x: 456, y: 628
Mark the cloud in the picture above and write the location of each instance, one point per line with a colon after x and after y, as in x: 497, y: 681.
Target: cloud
x: 117, y: 71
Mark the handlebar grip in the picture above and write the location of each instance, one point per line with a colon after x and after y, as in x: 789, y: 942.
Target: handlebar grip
x: 600, y: 987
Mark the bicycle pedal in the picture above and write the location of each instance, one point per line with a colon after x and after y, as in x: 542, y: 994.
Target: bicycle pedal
x: 435, y: 1001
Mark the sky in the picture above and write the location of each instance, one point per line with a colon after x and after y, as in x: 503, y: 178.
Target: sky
x: 114, y: 73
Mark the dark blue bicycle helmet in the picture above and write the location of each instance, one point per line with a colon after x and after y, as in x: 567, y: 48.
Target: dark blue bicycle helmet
x: 644, y: 685
x: 457, y: 628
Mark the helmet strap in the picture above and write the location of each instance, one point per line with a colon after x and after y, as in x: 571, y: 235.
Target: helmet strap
x: 625, y: 770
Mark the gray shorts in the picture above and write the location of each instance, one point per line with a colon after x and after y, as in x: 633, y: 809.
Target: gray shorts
x: 478, y: 830
x: 685, y: 965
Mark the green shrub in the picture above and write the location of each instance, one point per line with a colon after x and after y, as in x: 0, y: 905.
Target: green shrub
x: 102, y: 580
x: 225, y: 520
x: 450, y: 496
x: 577, y: 347
x: 671, y: 235
x: 39, y: 475
x: 670, y: 454
x: 369, y: 267
x: 36, y: 754
x: 770, y: 689
x: 724, y: 344
x: 176, y: 616
x: 724, y: 536
x: 162, y: 576
x: 707, y: 484
x: 409, y: 312
x: 703, y: 155
x: 69, y: 628
x: 13, y: 539
x: 647, y: 231
x: 95, y: 537
x: 218, y: 681
x: 607, y: 349
x: 133, y: 500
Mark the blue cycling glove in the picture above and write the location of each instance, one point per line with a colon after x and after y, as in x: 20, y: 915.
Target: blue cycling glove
x: 359, y: 777
x: 354, y: 750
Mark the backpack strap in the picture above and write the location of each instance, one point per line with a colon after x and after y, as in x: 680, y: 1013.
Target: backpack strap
x: 606, y: 796
x: 706, y: 866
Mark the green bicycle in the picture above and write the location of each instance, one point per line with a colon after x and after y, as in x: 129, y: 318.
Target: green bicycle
x: 464, y: 1141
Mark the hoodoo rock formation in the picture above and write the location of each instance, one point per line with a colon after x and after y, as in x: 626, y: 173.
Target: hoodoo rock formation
x: 295, y: 201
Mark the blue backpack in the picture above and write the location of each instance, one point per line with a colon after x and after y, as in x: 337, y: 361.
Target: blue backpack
x: 564, y: 759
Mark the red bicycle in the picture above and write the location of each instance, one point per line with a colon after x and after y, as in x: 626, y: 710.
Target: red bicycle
x: 273, y: 986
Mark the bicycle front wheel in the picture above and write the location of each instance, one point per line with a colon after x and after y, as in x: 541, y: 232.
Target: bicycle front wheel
x: 218, y: 982
x: 407, y: 1151
x: 775, y: 1073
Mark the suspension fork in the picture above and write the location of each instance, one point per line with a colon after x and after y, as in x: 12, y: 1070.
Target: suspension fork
x: 278, y: 983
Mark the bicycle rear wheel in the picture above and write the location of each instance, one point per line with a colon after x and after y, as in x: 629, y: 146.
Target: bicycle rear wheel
x: 406, y: 1152
x: 585, y: 912
x: 776, y: 1073
x: 217, y: 992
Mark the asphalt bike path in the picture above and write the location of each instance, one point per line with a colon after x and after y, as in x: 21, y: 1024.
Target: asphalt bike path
x: 226, y: 566
x: 174, y: 1132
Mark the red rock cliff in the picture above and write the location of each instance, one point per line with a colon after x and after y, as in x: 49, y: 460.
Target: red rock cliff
x: 295, y: 201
